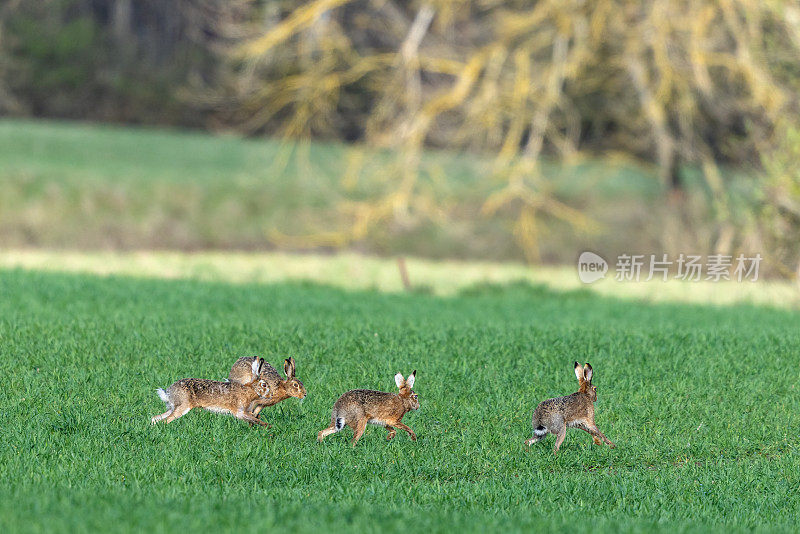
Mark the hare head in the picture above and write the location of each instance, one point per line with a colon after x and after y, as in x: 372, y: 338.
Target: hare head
x: 410, y: 399
x: 584, y: 375
x: 292, y: 386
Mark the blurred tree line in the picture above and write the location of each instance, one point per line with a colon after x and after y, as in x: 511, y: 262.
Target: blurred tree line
x: 705, y: 86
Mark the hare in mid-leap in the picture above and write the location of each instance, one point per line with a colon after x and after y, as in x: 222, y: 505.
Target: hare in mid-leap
x: 358, y: 407
x: 575, y: 411
x: 231, y: 398
x: 280, y: 388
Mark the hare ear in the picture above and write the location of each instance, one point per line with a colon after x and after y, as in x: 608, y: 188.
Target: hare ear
x: 411, y: 378
x: 256, y: 367
x: 288, y: 367
x: 579, y: 372
x: 399, y: 380
x: 587, y: 372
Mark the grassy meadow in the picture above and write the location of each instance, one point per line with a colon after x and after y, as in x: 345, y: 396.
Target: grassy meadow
x: 702, y: 403
x: 102, y: 187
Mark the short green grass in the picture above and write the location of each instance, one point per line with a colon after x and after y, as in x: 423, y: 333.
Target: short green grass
x: 702, y: 403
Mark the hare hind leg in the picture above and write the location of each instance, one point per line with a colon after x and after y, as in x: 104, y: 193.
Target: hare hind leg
x: 392, y: 433
x: 177, y: 412
x: 156, y: 418
x: 250, y: 418
x: 534, y: 439
x: 326, y: 432
x: 358, y: 429
x: 337, y: 423
x: 561, y: 432
x: 539, y: 432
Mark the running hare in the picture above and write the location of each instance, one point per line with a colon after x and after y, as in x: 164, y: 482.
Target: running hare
x: 576, y: 411
x: 232, y: 398
x: 358, y: 407
x: 280, y: 389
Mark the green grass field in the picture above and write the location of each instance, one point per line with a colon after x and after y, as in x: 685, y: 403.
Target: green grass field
x: 702, y: 403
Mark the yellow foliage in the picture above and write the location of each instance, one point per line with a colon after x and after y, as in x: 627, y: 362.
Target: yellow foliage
x: 516, y: 80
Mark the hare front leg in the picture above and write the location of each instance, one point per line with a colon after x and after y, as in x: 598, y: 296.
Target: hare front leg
x: 260, y: 404
x: 256, y: 406
x: 403, y: 426
x: 597, y: 436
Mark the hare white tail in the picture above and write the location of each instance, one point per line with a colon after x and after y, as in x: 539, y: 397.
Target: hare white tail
x: 164, y: 397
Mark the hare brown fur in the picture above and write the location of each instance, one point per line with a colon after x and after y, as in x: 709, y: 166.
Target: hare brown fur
x: 280, y: 388
x: 358, y: 407
x: 575, y: 411
x: 231, y: 398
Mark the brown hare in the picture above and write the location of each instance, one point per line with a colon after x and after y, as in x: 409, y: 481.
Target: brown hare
x: 575, y: 411
x: 280, y: 388
x: 358, y: 407
x: 232, y: 398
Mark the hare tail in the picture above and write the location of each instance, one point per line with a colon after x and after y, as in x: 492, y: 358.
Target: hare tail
x: 164, y: 397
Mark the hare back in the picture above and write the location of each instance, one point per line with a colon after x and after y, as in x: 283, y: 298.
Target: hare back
x: 201, y: 386
x: 358, y: 403
x: 202, y: 392
x: 575, y: 407
x: 242, y: 372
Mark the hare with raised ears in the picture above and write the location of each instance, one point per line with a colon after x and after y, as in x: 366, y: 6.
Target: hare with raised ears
x: 575, y: 411
x: 280, y: 388
x: 231, y: 398
x: 358, y: 407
